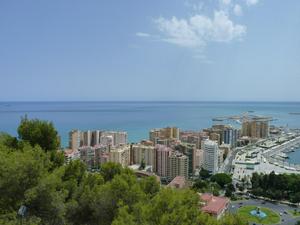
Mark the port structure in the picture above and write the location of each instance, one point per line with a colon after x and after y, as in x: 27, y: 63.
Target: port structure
x: 245, y: 117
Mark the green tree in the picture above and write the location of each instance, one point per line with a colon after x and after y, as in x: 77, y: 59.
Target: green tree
x: 109, y: 170
x: 222, y: 179
x: 9, y: 141
x: 19, y: 171
x: 143, y: 165
x: 200, y: 185
x: 204, y: 174
x: 230, y: 219
x: 282, y: 186
x: 57, y: 159
x: 150, y: 185
x: 229, y: 190
x: 47, y: 199
x: 167, y: 207
x: 38, y: 132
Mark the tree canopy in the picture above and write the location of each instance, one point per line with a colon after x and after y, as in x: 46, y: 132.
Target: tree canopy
x: 56, y: 193
x: 222, y: 179
x: 279, y: 187
x: 39, y: 132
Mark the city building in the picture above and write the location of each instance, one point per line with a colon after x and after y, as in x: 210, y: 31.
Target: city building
x: 177, y: 165
x: 225, y: 148
x: 107, y: 140
x: 85, y: 138
x: 224, y: 134
x: 143, y: 153
x: 95, y: 137
x: 193, y: 137
x: 74, y: 139
x: 101, y: 153
x: 216, y: 136
x: 230, y: 136
x: 190, y: 151
x: 87, y: 155
x: 198, y: 160
x: 162, y: 160
x: 92, y: 138
x: 164, y: 135
x: 120, y: 154
x: 71, y: 154
x: 255, y: 128
x: 213, y: 205
x: 211, y: 156
x: 119, y: 137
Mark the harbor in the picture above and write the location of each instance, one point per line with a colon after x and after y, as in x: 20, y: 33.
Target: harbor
x: 266, y: 156
x: 279, y: 154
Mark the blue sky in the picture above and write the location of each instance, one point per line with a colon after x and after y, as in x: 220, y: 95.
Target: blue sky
x: 220, y: 50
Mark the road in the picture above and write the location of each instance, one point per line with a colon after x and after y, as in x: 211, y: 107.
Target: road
x: 227, y: 164
x: 286, y: 219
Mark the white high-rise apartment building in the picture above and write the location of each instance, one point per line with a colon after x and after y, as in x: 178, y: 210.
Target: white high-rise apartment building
x: 211, y: 154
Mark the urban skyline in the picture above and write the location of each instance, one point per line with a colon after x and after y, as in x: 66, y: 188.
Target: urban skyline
x: 150, y: 112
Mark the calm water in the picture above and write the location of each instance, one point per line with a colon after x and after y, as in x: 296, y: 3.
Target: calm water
x: 138, y: 117
x: 294, y: 157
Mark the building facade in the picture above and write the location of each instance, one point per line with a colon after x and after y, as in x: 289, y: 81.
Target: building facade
x: 177, y: 165
x: 74, y: 139
x: 145, y: 153
x: 211, y: 156
x: 162, y: 160
x: 164, y: 135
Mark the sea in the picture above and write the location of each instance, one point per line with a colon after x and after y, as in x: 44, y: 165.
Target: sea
x: 137, y: 118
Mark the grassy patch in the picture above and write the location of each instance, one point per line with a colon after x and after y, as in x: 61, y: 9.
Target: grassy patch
x: 294, y: 213
x: 272, y: 217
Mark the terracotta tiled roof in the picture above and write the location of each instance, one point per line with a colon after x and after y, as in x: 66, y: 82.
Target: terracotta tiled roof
x: 213, y: 204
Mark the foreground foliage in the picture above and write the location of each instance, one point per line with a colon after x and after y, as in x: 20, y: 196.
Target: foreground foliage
x: 67, y: 194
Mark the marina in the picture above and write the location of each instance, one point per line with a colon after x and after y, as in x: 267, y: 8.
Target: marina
x: 279, y: 157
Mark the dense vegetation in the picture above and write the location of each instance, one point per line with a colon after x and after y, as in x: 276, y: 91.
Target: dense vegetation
x: 214, y: 183
x: 278, y: 187
x: 56, y: 193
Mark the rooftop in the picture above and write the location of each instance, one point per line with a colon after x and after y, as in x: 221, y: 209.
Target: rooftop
x: 178, y: 182
x: 213, y: 204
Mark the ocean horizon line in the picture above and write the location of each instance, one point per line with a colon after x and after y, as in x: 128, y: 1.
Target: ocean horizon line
x: 149, y: 101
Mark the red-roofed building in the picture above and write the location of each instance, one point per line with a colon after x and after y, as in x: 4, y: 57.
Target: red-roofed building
x: 178, y: 182
x: 213, y: 205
